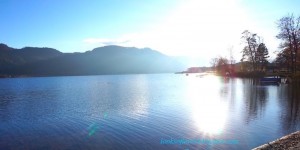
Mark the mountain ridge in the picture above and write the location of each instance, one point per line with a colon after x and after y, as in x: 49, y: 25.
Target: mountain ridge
x: 34, y: 61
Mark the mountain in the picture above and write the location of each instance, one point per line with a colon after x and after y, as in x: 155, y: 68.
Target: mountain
x: 11, y: 57
x: 102, y: 60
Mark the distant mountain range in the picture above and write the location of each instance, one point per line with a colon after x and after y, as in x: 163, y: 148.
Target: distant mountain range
x: 33, y: 61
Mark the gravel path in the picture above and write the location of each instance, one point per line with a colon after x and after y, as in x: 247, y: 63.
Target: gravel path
x: 288, y: 142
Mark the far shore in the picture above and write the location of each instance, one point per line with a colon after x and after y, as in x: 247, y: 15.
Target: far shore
x: 292, y: 78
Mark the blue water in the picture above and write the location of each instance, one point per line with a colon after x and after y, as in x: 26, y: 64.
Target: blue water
x: 143, y: 112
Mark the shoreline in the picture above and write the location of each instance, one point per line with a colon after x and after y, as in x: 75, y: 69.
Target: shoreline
x: 290, y: 141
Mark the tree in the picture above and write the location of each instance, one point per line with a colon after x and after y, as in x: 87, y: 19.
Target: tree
x: 222, y: 62
x: 221, y: 65
x: 255, y: 50
x: 261, y: 56
x: 249, y: 49
x: 289, y: 33
x: 283, y: 59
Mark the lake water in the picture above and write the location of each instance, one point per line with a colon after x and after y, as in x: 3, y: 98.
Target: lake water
x: 144, y: 112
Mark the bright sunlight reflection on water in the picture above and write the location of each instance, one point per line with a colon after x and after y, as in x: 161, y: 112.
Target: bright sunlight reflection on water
x: 138, y: 111
x: 201, y: 101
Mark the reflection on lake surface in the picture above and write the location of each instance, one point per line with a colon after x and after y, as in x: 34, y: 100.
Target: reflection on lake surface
x: 139, y: 111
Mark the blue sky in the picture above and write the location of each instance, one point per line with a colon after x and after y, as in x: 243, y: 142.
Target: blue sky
x: 65, y: 23
x: 198, y: 28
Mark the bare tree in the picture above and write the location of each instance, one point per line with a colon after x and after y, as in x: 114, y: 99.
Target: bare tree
x: 249, y: 49
x: 283, y: 58
x: 222, y: 65
x: 289, y: 33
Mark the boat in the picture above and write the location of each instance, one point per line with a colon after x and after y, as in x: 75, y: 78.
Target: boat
x: 270, y: 81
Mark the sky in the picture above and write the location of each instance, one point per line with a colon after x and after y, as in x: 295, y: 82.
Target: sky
x: 200, y: 29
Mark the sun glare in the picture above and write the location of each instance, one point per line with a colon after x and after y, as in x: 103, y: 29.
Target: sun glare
x: 208, y: 112
x: 194, y: 28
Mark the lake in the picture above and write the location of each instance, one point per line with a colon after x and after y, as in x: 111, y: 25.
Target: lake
x: 157, y: 111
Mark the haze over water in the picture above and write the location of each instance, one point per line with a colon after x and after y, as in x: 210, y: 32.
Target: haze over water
x: 138, y: 111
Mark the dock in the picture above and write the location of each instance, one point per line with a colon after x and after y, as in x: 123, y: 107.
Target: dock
x: 289, y: 142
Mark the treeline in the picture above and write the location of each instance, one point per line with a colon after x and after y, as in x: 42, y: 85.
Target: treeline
x: 255, y: 53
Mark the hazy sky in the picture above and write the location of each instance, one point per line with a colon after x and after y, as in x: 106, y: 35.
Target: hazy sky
x: 198, y: 28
